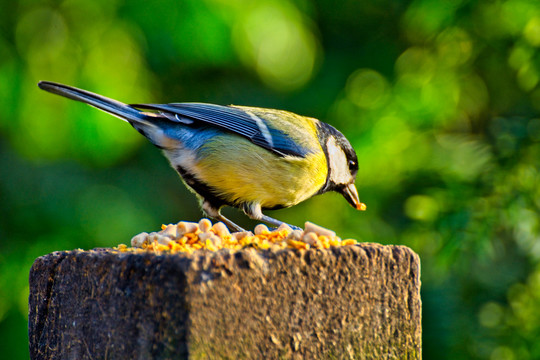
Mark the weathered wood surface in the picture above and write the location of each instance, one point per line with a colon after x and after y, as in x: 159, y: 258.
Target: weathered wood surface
x: 354, y: 302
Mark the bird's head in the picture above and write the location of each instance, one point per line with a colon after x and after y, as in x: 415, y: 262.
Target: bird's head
x: 342, y: 165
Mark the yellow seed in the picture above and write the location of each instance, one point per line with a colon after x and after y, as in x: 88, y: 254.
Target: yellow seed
x: 334, y: 241
x: 284, y: 227
x: 226, y: 239
x: 246, y: 240
x: 192, y: 239
x: 160, y: 247
x: 325, y: 241
x: 182, y: 240
x: 209, y: 245
x: 264, y: 245
x: 297, y: 244
x: 187, y: 237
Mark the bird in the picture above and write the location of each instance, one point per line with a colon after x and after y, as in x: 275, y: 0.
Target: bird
x: 248, y: 158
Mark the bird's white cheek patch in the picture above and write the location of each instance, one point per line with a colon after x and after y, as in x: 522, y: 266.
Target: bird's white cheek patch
x: 339, y: 168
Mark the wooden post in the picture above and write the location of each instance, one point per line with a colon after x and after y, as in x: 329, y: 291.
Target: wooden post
x: 351, y: 302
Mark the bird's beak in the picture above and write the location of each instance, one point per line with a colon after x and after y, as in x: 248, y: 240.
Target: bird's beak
x: 351, y: 194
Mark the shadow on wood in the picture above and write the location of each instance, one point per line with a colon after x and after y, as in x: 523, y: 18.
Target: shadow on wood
x: 353, y: 302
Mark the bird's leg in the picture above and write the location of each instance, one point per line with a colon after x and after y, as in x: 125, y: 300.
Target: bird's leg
x: 232, y: 226
x: 215, y: 213
x: 254, y: 211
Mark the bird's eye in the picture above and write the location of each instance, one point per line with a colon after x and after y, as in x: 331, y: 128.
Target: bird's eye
x: 352, y: 164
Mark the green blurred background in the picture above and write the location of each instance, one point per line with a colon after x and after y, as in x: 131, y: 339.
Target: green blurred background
x: 440, y: 98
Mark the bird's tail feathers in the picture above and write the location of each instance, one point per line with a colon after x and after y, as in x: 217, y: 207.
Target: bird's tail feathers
x: 113, y: 107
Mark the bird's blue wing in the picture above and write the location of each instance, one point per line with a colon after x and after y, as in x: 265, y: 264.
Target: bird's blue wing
x: 256, y: 129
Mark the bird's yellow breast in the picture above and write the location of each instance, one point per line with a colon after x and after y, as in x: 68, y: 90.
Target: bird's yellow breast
x: 243, y: 172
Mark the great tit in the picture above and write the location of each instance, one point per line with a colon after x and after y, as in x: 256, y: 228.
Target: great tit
x: 245, y: 157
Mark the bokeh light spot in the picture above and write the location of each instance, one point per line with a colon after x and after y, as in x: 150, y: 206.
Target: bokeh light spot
x: 417, y: 61
x: 490, y: 314
x: 464, y: 157
x: 520, y: 56
x: 275, y: 41
x: 454, y: 46
x: 38, y: 139
x: 527, y: 77
x: 532, y: 31
x: 367, y: 89
x: 41, y: 32
x: 474, y: 95
x: 391, y: 134
x: 424, y: 18
x: 515, y: 14
x: 421, y: 207
x: 502, y: 353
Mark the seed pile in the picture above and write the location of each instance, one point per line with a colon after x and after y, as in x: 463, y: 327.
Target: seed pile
x: 190, y: 236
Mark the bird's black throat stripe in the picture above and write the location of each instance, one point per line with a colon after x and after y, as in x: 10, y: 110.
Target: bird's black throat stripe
x: 210, y: 195
x: 207, y: 193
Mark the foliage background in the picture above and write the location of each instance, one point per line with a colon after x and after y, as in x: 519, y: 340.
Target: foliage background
x: 440, y: 98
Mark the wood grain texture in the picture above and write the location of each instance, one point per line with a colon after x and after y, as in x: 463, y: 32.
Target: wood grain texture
x: 353, y: 302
